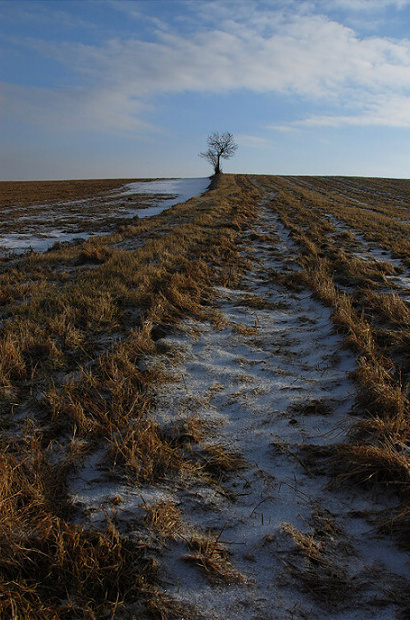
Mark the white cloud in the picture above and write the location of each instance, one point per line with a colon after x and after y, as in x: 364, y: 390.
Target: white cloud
x: 40, y: 14
x: 69, y: 109
x: 385, y: 110
x: 135, y: 12
x: 253, y: 141
x: 366, y: 5
x: 276, y: 50
x: 311, y: 56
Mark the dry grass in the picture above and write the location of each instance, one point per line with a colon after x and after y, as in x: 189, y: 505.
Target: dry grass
x: 93, y: 253
x: 256, y: 301
x: 398, y: 526
x: 76, y: 322
x: 145, y: 454
x: 322, y: 564
x: 316, y: 406
x: 75, y: 325
x: 165, y: 518
x: 50, y: 567
x: 369, y: 463
x: 245, y: 330
x: 319, y: 559
x: 375, y: 323
x: 187, y: 431
x: 218, y: 460
x: 208, y: 552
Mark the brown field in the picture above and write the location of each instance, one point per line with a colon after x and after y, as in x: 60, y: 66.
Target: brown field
x: 23, y: 193
x: 80, y: 327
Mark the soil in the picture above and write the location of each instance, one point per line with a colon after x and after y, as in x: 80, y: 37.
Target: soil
x: 22, y: 193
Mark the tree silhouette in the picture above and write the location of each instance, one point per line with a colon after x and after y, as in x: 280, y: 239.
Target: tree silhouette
x: 220, y: 146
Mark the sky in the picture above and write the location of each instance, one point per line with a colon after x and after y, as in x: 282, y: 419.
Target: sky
x: 132, y: 89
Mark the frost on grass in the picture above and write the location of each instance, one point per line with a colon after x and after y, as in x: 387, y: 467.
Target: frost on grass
x: 282, y: 400
x: 234, y: 496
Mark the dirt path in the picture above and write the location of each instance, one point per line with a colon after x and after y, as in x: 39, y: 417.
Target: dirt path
x: 272, y: 384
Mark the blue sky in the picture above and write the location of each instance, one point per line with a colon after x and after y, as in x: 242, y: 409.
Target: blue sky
x: 124, y: 88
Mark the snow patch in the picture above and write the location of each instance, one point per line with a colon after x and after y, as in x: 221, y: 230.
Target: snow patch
x: 165, y: 194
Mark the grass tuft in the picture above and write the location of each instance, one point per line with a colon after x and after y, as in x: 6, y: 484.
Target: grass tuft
x: 207, y: 552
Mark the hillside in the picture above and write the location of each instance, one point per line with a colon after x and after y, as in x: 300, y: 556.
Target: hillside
x: 205, y: 413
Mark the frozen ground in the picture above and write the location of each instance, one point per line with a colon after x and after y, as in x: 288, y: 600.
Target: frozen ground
x: 39, y: 227
x: 368, y: 251
x: 17, y: 243
x: 272, y: 384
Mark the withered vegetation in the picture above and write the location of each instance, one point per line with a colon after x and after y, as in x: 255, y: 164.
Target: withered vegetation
x: 76, y: 323
x: 326, y: 216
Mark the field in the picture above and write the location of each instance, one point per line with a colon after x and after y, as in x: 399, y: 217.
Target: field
x: 205, y: 413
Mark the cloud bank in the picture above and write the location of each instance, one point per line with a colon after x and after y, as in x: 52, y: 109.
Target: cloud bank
x: 287, y: 49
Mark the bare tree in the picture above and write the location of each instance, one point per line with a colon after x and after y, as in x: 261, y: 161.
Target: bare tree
x: 220, y: 146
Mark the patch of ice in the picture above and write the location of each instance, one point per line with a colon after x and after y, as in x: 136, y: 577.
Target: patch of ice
x: 179, y: 190
x: 23, y: 242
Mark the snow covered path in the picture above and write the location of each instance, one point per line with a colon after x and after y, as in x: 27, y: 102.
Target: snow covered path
x: 273, y: 385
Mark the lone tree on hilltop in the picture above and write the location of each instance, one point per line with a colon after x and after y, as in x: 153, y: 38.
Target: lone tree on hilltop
x: 220, y: 146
